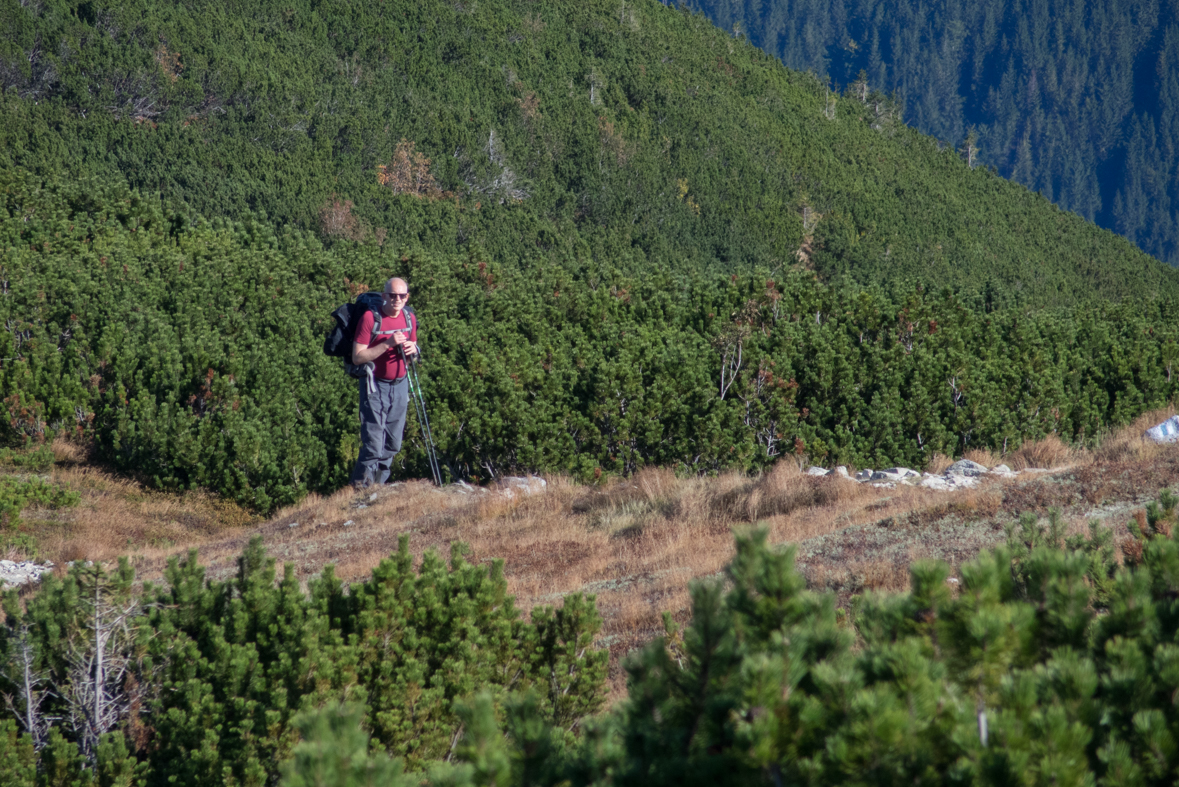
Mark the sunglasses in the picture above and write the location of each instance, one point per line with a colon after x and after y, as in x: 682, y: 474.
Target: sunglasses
x: 397, y: 296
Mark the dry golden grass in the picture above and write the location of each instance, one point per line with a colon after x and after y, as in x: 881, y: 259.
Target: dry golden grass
x: 1047, y: 453
x: 118, y: 516
x: 634, y: 543
x: 785, y: 488
x: 860, y: 576
x: 886, y: 575
x: 984, y: 457
x: 67, y: 452
x: 938, y: 463
x: 1129, y: 443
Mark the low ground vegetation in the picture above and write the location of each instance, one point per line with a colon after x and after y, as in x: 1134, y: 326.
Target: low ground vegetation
x: 636, y: 543
x: 582, y: 136
x: 189, y: 355
x: 1046, y: 660
x: 196, y: 681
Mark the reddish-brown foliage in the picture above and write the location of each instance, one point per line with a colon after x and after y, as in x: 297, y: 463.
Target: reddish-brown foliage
x: 409, y: 173
x: 336, y: 220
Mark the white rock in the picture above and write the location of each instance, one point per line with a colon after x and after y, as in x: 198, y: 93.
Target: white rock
x: 293, y: 524
x: 948, y: 483
x: 895, y: 475
x: 840, y: 471
x: 14, y: 574
x: 1003, y: 470
x: 1166, y: 432
x: 816, y: 470
x: 525, y: 481
x: 349, y: 523
x: 521, y: 485
x: 864, y: 475
x: 965, y: 467
x: 962, y: 481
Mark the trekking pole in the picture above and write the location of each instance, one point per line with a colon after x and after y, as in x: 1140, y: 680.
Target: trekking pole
x: 435, y: 467
x: 419, y: 404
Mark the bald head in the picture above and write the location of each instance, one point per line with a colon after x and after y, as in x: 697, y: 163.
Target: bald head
x: 396, y: 295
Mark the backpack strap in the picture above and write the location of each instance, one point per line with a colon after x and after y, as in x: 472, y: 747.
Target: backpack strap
x: 411, y: 327
x: 372, y: 301
x: 411, y: 319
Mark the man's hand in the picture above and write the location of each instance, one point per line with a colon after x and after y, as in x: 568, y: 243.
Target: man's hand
x: 363, y: 353
x: 407, y: 346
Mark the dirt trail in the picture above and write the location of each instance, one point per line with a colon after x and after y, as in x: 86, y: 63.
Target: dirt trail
x: 635, y: 544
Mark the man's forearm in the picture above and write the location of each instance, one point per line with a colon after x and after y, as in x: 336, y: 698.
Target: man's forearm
x: 363, y: 355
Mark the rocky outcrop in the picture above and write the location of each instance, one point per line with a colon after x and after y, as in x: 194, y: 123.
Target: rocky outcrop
x: 14, y: 574
x: 967, y: 468
x: 963, y: 474
x: 894, y: 475
x: 508, y: 486
x: 517, y: 485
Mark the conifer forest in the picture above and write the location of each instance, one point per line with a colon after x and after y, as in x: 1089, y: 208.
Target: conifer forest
x: 633, y: 239
x: 1078, y: 101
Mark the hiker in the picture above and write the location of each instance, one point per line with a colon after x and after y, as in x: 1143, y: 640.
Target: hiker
x: 384, y: 390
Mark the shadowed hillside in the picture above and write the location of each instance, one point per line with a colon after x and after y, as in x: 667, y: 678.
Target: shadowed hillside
x: 1079, y: 101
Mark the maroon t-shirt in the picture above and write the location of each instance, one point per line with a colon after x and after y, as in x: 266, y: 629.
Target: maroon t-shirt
x: 388, y: 365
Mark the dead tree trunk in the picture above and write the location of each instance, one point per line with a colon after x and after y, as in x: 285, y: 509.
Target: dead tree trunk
x: 29, y: 680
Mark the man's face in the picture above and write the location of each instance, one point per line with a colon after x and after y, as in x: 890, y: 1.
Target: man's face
x: 396, y: 296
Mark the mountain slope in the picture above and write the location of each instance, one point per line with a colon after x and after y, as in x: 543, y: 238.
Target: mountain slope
x: 580, y: 133
x: 188, y: 352
x: 1079, y: 101
x: 631, y: 240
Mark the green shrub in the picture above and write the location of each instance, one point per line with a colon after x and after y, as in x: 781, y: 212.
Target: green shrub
x: 579, y: 135
x: 1042, y: 662
x: 17, y: 493
x: 205, y: 681
x: 191, y: 357
x: 38, y: 459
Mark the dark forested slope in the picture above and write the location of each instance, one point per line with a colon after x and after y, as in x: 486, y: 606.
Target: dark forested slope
x: 1077, y: 100
x: 581, y: 133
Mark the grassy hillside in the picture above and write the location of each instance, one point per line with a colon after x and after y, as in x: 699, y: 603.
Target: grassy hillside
x: 599, y: 212
x: 584, y: 134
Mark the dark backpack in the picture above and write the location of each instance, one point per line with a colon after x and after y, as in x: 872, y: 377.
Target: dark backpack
x: 338, y: 343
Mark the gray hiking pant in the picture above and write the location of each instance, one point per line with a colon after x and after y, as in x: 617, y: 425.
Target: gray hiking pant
x: 382, y: 422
